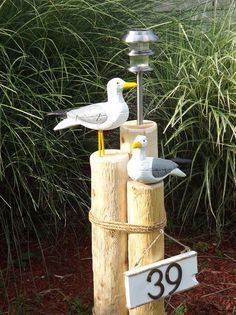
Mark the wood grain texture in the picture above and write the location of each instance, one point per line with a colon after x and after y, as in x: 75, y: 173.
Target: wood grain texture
x: 129, y: 130
x: 145, y: 206
x: 109, y: 248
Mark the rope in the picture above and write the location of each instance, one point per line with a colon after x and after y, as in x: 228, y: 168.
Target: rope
x: 148, y: 248
x: 133, y: 228
x: 126, y: 227
x: 186, y: 248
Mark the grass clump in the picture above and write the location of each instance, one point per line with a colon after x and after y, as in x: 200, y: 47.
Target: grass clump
x: 39, y: 170
x: 60, y: 54
x: 195, y: 102
x: 54, y: 55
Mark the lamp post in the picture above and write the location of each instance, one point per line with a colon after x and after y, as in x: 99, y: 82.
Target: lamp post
x: 138, y: 41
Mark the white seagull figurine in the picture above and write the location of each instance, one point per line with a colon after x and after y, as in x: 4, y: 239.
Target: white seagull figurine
x: 149, y: 170
x: 101, y: 116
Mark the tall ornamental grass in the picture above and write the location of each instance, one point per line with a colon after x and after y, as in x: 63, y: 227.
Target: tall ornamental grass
x: 60, y: 54
x: 194, y: 100
x: 53, y: 55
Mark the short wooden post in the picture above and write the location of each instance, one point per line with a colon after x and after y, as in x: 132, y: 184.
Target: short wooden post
x: 146, y: 207
x: 129, y: 130
x: 109, y: 248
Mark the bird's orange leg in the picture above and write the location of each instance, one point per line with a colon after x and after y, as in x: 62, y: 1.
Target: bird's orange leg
x: 102, y: 143
x: 99, y: 143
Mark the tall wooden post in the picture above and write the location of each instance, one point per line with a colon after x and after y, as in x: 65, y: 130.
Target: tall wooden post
x: 145, y: 206
x: 129, y: 130
x: 109, y: 248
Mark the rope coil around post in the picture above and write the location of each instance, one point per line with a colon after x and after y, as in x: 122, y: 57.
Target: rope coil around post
x: 127, y: 227
x: 133, y: 228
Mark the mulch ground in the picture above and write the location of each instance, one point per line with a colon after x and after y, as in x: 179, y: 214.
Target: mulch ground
x: 62, y: 282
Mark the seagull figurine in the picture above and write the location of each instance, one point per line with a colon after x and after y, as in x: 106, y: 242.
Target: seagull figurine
x: 101, y: 116
x: 149, y: 170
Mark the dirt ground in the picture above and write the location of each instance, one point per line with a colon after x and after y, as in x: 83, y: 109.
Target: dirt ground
x: 61, y: 283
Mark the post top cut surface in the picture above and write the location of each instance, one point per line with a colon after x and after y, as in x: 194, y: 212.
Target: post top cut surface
x: 111, y: 155
x: 138, y: 185
x: 132, y: 124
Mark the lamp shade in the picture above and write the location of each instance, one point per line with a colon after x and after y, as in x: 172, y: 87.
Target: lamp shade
x: 139, y: 35
x: 138, y: 41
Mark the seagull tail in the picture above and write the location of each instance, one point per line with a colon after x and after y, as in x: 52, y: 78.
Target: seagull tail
x: 178, y: 172
x: 181, y: 161
x: 58, y: 113
x: 66, y: 123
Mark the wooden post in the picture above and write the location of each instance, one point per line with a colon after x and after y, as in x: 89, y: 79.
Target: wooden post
x: 129, y: 130
x: 109, y: 248
x: 146, y: 207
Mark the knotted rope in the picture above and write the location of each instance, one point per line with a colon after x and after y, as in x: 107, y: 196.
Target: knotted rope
x: 127, y: 227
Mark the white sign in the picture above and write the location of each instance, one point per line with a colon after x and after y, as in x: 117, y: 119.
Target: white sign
x: 160, y: 279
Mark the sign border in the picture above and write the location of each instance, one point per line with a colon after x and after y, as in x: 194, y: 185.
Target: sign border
x: 158, y: 264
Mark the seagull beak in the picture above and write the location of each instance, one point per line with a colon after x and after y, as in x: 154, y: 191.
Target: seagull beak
x: 129, y: 85
x: 136, y: 145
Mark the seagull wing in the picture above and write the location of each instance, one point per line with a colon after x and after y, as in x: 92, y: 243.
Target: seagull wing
x: 92, y: 114
x: 162, y: 167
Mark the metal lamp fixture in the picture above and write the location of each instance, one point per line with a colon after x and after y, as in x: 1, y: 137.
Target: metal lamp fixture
x: 138, y: 41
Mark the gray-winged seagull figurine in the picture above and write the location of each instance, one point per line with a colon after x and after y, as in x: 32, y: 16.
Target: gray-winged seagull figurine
x: 149, y: 170
x: 101, y: 116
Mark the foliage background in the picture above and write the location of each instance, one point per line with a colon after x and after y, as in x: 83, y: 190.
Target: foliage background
x: 60, y: 54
